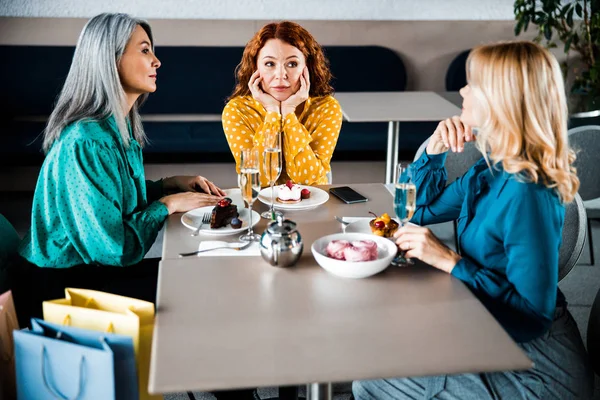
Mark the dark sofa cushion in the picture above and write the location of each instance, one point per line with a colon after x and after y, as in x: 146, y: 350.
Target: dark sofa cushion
x: 191, y: 80
x: 198, y: 80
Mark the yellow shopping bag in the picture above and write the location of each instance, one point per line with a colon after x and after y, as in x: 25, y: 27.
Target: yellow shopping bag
x: 105, y: 312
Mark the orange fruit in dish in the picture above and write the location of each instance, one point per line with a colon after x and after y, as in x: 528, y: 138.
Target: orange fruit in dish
x: 383, y: 225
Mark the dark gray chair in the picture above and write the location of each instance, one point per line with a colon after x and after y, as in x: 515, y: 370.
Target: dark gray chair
x: 585, y: 140
x: 573, y: 236
x: 9, y: 241
x: 456, y: 163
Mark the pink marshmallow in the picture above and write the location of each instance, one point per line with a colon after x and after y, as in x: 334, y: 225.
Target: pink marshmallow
x: 335, y: 249
x: 355, y: 254
x: 367, y: 244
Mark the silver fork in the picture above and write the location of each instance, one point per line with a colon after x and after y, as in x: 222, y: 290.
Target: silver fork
x: 238, y: 247
x: 205, y: 220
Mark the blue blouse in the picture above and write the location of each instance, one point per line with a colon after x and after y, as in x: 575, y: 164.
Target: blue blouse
x: 509, y: 233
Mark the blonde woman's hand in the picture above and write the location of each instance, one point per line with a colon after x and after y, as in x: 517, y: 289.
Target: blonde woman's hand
x: 421, y: 243
x: 450, y: 134
x: 192, y: 184
x: 186, y: 201
x: 267, y: 101
x: 289, y: 106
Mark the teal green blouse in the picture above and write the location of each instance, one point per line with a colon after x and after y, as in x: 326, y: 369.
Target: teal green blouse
x: 90, y: 204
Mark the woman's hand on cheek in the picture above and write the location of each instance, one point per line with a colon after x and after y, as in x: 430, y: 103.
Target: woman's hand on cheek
x: 267, y: 101
x: 451, y: 134
x: 422, y: 244
x: 289, y: 106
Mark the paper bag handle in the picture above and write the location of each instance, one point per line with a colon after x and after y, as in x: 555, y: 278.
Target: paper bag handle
x: 109, y: 329
x: 55, y: 392
x: 8, y: 355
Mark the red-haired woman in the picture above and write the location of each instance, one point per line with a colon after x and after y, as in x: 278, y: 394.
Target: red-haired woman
x: 283, y: 86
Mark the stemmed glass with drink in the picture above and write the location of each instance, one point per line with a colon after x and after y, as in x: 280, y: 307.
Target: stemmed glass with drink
x: 272, y: 168
x: 249, y: 183
x: 405, y: 197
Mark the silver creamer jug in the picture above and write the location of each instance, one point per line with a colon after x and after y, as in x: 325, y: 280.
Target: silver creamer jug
x: 281, y: 244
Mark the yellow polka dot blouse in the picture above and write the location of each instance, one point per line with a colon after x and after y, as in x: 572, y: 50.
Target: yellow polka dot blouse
x: 308, y: 139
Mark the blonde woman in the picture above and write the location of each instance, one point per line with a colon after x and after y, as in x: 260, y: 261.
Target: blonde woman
x: 510, y: 212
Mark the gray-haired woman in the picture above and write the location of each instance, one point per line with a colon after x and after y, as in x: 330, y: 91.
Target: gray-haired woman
x: 93, y: 212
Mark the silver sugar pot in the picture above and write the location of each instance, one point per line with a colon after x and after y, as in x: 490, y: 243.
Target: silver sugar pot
x: 281, y: 244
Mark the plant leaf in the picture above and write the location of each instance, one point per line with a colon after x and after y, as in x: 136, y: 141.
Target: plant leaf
x: 519, y: 27
x: 547, y: 32
x: 564, y: 10
x: 579, y: 10
x: 570, y: 17
x: 568, y: 43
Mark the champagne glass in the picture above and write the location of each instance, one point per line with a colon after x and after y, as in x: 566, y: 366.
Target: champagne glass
x: 249, y: 183
x: 405, y: 197
x: 272, y: 168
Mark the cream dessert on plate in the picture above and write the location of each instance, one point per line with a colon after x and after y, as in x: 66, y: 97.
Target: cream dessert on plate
x: 291, y: 193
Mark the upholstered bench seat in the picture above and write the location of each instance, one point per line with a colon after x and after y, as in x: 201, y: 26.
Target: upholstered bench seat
x: 192, y: 81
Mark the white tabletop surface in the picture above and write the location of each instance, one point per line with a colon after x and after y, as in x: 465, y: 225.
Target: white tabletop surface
x: 395, y: 106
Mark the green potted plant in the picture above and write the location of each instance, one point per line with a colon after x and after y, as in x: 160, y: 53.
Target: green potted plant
x: 576, y: 24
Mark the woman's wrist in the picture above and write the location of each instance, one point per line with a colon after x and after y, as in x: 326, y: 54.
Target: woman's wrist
x: 449, y: 263
x: 287, y: 109
x: 436, y: 148
x: 166, y: 200
x: 275, y: 109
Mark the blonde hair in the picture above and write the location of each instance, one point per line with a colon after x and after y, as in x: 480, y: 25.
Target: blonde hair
x: 522, y: 110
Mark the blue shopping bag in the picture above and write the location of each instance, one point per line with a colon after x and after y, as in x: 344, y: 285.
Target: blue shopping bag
x: 61, y: 362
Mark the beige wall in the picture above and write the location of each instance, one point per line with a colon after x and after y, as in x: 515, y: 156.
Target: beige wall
x: 427, y: 47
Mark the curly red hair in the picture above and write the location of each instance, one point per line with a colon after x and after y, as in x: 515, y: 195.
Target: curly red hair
x: 295, y: 35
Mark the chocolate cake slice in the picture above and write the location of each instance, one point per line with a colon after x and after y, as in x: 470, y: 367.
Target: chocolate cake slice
x: 222, y: 215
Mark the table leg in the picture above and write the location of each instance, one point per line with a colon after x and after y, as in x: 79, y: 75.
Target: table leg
x: 392, y: 151
x: 318, y: 391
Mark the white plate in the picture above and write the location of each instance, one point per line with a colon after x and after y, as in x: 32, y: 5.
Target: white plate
x: 317, y: 197
x: 192, y: 218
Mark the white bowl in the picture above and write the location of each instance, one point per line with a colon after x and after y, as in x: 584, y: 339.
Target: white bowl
x: 386, y: 251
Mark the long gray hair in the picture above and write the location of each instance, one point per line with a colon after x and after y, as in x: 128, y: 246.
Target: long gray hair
x: 93, y: 89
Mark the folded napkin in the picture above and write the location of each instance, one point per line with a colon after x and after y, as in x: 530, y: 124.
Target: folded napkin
x: 252, y: 250
x: 354, y: 219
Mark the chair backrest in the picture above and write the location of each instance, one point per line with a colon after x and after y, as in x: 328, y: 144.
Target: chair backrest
x: 330, y: 177
x: 9, y: 240
x: 585, y: 140
x: 573, y: 236
x: 456, y: 75
x: 456, y: 163
x: 593, y: 335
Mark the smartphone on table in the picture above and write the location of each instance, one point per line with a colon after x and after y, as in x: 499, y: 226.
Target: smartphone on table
x: 347, y: 195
